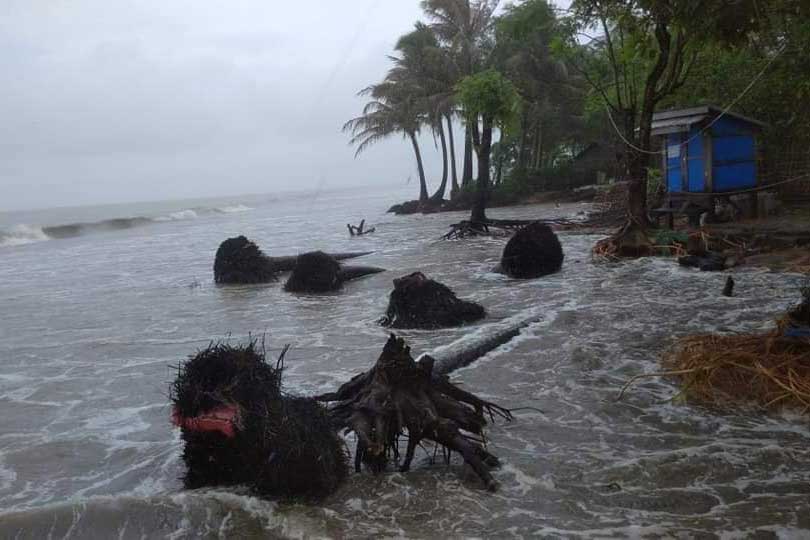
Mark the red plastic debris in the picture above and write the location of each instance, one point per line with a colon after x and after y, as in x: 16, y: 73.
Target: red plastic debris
x: 222, y: 419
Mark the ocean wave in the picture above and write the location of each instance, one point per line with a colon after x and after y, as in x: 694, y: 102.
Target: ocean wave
x: 179, y: 215
x: 22, y: 234
x: 26, y: 234
x: 234, y: 209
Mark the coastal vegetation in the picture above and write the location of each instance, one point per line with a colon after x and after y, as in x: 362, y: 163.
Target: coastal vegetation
x: 550, y: 99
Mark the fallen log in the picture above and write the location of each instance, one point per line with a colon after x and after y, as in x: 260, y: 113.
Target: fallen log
x: 400, y: 397
x: 419, y: 302
x: 239, y: 260
x: 459, y: 355
x: 239, y: 428
x: 466, y: 228
x: 320, y: 272
x: 287, y: 263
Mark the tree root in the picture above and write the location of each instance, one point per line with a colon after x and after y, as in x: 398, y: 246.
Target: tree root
x: 632, y: 240
x: 467, y: 228
x: 359, y: 230
x: 401, y: 397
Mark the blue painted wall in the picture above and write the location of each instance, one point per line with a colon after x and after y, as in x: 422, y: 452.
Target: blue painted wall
x: 734, y: 155
x: 674, y: 177
x: 694, y: 161
x: 733, y: 158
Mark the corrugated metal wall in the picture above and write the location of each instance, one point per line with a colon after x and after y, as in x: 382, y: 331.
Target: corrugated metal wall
x: 734, y: 155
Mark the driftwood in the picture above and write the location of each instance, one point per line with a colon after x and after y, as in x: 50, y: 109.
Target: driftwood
x: 239, y: 260
x: 359, y: 229
x: 419, y: 302
x: 239, y: 428
x: 320, y: 272
x: 728, y: 289
x: 400, y: 397
x: 533, y: 251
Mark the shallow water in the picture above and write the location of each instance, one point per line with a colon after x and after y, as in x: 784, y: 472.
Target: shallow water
x: 92, y: 327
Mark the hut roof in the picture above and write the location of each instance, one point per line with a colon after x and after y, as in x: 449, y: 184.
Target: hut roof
x: 677, y: 120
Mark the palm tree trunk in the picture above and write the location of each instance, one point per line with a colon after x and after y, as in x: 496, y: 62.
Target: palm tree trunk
x: 523, y: 150
x: 423, y: 193
x: 467, y: 172
x: 538, y: 146
x: 454, y: 177
x: 439, y: 195
x: 478, y: 213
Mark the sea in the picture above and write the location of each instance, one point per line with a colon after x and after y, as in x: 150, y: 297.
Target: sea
x: 99, y: 305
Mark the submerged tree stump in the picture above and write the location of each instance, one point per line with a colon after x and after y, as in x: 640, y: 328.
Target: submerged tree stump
x: 401, y: 397
x: 238, y: 260
x: 532, y: 252
x: 320, y: 272
x: 239, y: 428
x: 419, y: 302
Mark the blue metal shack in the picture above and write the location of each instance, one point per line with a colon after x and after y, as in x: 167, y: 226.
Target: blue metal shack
x: 706, y: 151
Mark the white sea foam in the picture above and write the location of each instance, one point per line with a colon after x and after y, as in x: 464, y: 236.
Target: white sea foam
x: 234, y: 209
x: 22, y: 234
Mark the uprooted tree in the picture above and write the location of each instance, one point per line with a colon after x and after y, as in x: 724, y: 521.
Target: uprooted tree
x: 240, y: 261
x: 400, y: 397
x: 419, y: 302
x: 532, y: 252
x: 238, y: 427
x: 317, y: 271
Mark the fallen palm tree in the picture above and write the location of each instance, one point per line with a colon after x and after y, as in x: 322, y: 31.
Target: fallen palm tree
x: 239, y: 260
x: 240, y: 428
x: 419, y: 302
x: 769, y: 369
x: 320, y: 272
x: 400, y: 397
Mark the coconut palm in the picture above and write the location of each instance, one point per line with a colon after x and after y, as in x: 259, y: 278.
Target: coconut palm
x: 425, y: 67
x: 464, y: 28
x: 393, y: 109
x: 550, y: 97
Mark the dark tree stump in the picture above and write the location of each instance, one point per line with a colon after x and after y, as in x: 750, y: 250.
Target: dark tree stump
x: 419, y: 302
x: 533, y: 251
x: 238, y: 260
x: 401, y: 397
x: 317, y: 271
x: 238, y: 427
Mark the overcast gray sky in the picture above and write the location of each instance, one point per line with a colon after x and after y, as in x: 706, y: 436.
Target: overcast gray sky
x: 124, y: 100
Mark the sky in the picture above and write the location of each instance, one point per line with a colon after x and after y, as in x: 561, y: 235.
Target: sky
x: 131, y: 100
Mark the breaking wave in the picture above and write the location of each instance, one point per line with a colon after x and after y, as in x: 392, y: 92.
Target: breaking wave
x: 26, y: 234
x: 22, y: 234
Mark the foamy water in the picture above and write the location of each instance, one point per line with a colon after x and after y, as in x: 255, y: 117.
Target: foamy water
x: 93, y: 325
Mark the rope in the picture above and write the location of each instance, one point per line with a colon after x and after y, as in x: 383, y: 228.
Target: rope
x: 710, y: 124
x: 750, y: 190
